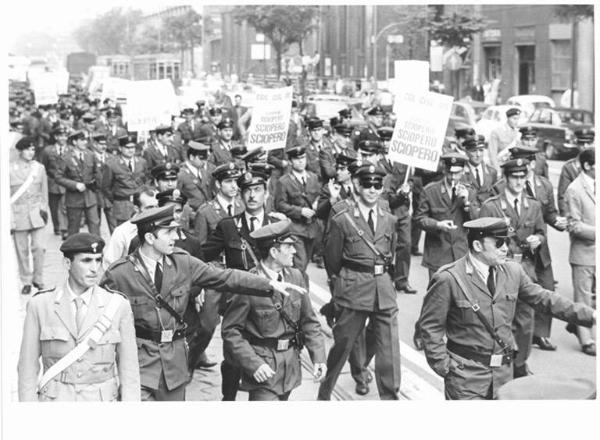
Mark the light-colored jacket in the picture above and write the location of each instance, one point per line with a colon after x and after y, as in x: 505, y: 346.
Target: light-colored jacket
x: 108, y: 372
x: 25, y: 211
x: 501, y: 139
x: 581, y: 207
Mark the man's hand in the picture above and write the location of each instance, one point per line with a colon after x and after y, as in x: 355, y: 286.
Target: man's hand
x: 560, y: 223
x: 277, y: 215
x: 199, y: 300
x: 334, y: 191
x: 307, y: 212
x: 284, y: 163
x: 281, y: 286
x: 405, y: 188
x: 319, y: 371
x: 263, y: 373
x: 446, y: 225
x: 462, y: 191
x: 80, y: 186
x: 533, y: 241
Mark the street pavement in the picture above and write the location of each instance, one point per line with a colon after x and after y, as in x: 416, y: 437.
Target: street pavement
x: 418, y: 380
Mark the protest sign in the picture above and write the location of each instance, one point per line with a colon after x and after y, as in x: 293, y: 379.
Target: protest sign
x: 62, y: 81
x: 96, y: 77
x: 115, y: 89
x: 150, y: 104
x: 420, y: 128
x: 44, y: 89
x: 270, y: 119
x: 409, y: 75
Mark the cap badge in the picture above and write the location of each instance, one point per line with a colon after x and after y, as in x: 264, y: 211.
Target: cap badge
x: 231, y: 166
x: 176, y: 193
x: 94, y: 247
x: 248, y: 176
x: 453, y: 160
x: 371, y: 169
x: 168, y: 166
x: 519, y: 162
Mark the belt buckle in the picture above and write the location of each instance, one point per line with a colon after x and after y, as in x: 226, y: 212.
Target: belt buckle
x: 378, y: 269
x: 496, y: 360
x: 283, y: 344
x: 166, y: 336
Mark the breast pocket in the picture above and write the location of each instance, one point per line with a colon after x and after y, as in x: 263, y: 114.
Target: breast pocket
x: 510, y: 300
x: 267, y: 320
x: 55, y: 341
x: 439, y: 213
x: 179, y: 295
x: 466, y: 313
x: 142, y: 307
x: 104, y: 352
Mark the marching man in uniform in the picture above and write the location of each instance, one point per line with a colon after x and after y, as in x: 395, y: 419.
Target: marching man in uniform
x: 83, y: 333
x: 266, y: 335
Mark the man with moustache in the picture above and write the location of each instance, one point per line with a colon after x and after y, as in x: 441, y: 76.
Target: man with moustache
x: 195, y: 177
x: 161, y: 150
x: 340, y: 143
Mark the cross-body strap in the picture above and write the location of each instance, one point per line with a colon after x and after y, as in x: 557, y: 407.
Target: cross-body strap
x: 361, y: 234
x: 90, y: 341
x: 480, y: 315
x: 25, y: 186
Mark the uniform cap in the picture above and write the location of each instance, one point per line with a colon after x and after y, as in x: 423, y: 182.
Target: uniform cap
x: 296, y: 151
x: 82, y: 242
x: 162, y: 129
x: 345, y: 113
x: 238, y: 151
x: 159, y: 217
x: 343, y: 129
x: 541, y: 387
x: 254, y: 155
x: 24, y: 143
x: 128, y: 141
x: 187, y: 111
x: 376, y: 110
x: 250, y: 178
x: 226, y: 171
x: 528, y: 132
x: 76, y: 135
x: 170, y: 195
x: 515, y: 167
x: 273, y: 233
x: 314, y: 123
x: 165, y: 171
x: 463, y: 130
x: 385, y: 133
x: 454, y: 161
x: 199, y: 149
x: 225, y: 123
x: 512, y: 112
x: 59, y: 129
x: 346, y: 157
x: 355, y: 166
x: 487, y: 227
x: 471, y: 143
x: 369, y: 172
x: 88, y: 117
x: 261, y: 168
x: 99, y: 137
x: 215, y: 111
x: 369, y: 145
x: 523, y: 152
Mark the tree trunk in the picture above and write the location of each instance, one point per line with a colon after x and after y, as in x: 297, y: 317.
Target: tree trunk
x: 192, y: 58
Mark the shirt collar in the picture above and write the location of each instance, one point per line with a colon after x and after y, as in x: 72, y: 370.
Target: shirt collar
x: 260, y: 218
x: 224, y: 203
x: 271, y: 273
x: 299, y: 176
x: 510, y: 197
x: 482, y: 269
x: 149, y: 262
x: 364, y: 210
x: 85, y: 296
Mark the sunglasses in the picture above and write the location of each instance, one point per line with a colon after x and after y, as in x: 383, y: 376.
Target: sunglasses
x: 368, y: 185
x: 500, y: 241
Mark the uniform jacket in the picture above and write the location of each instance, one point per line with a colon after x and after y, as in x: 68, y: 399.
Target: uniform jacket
x: 485, y: 191
x: 71, y: 171
x: 296, y: 131
x: 324, y: 203
x: 210, y: 214
x: 291, y: 197
x: 187, y: 132
x: 582, y: 209
x: 529, y: 221
x: 360, y: 290
x: 434, y: 205
x: 369, y: 132
x: 49, y: 158
x: 220, y: 154
x: 227, y: 237
x: 257, y: 318
x: 25, y: 211
x: 105, y: 372
x: 180, y: 272
x: 208, y: 130
x: 568, y: 173
x: 112, y: 137
x: 102, y: 164
x: 155, y: 157
x: 119, y: 182
x: 313, y: 153
x: 447, y: 313
x: 198, y: 190
x: 327, y: 159
x: 396, y: 173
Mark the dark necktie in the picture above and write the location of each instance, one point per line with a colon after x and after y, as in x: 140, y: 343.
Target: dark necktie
x: 529, y: 189
x: 453, y: 194
x: 477, y: 176
x: 303, y: 180
x: 491, y: 283
x: 252, y: 220
x: 158, y: 276
x: 230, y: 210
x: 279, y: 277
x: 370, y: 221
x: 131, y: 165
x: 516, y: 206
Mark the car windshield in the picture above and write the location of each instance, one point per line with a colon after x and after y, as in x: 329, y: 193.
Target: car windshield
x: 326, y: 109
x: 575, y: 117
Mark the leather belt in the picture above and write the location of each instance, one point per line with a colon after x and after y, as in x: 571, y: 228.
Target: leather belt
x: 282, y: 344
x: 377, y: 269
x: 157, y: 336
x: 122, y: 199
x: 489, y: 360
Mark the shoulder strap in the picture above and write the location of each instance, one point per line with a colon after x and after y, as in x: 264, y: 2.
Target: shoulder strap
x: 479, y: 313
x: 25, y: 186
x: 361, y: 234
x: 90, y: 341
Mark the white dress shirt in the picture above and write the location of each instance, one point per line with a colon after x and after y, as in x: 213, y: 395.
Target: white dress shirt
x: 85, y: 296
x: 511, y: 199
x: 364, y: 210
x: 260, y: 217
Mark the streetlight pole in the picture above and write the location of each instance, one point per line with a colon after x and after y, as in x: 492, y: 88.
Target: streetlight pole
x: 374, y: 42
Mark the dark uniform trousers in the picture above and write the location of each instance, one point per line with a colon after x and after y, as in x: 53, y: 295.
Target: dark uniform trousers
x: 290, y: 197
x: 120, y: 184
x: 527, y: 222
x: 164, y: 366
x: 69, y: 173
x: 359, y: 295
x: 56, y: 192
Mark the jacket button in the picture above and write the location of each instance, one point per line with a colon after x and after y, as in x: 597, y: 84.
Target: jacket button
x: 79, y: 374
x: 80, y: 359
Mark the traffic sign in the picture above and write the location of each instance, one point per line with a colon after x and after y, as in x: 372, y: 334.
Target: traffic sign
x: 397, y: 39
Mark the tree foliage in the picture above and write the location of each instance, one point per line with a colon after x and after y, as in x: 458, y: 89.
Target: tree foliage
x: 110, y: 33
x: 456, y: 28
x: 283, y: 25
x: 574, y: 12
x: 415, y: 20
x: 185, y: 30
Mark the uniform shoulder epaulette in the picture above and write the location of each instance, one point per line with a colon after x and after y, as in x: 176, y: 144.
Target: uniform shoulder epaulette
x: 492, y: 198
x: 179, y: 251
x: 50, y: 289
x: 116, y: 292
x: 118, y: 263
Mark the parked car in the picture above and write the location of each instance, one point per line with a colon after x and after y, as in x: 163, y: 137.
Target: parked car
x: 326, y: 107
x: 555, y: 129
x: 531, y: 102
x: 493, y: 117
x: 464, y: 110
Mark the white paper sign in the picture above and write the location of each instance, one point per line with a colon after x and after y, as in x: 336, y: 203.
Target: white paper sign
x: 420, y: 128
x: 409, y: 75
x: 115, y: 89
x: 96, y: 77
x: 62, y: 81
x: 44, y: 89
x: 150, y: 104
x: 270, y: 118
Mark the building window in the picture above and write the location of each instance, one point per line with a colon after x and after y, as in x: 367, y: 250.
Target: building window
x: 161, y: 70
x: 493, y: 62
x: 152, y: 71
x: 561, y: 64
x: 176, y: 71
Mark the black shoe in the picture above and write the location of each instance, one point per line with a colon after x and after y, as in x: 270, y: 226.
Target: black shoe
x: 368, y: 377
x: 521, y: 371
x: 57, y: 232
x: 544, y: 343
x: 404, y: 287
x: 64, y: 235
x: 204, y: 362
x: 38, y: 286
x: 362, y: 389
x: 418, y: 343
x: 26, y: 290
x: 416, y: 253
x: 571, y: 328
x: 589, y: 349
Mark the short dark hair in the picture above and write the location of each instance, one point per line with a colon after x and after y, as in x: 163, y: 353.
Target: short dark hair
x: 587, y: 156
x: 264, y: 249
x: 192, y: 152
x: 143, y: 229
x: 149, y: 191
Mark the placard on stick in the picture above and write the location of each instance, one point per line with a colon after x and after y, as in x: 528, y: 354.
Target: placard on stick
x: 270, y: 119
